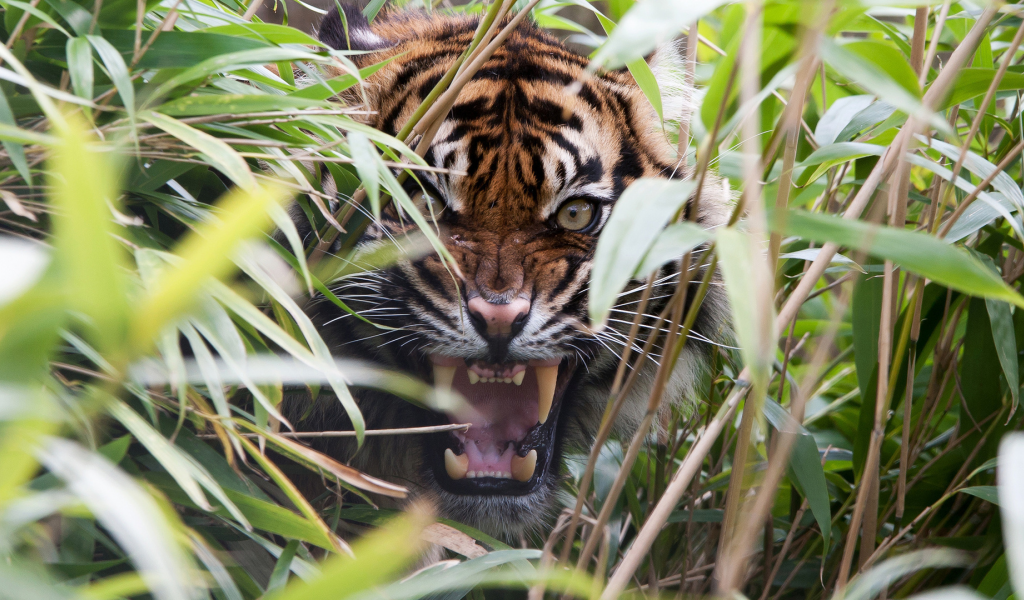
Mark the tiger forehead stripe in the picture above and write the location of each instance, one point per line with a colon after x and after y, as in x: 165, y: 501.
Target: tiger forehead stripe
x: 530, y: 125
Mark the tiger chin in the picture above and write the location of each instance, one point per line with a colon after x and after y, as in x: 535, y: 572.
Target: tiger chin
x: 535, y: 153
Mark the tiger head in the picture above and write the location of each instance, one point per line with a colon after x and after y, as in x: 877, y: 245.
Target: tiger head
x: 530, y: 161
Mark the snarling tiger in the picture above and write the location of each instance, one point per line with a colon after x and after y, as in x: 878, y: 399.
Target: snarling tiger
x: 532, y: 158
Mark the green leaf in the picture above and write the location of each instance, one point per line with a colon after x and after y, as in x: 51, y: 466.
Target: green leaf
x: 676, y: 240
x: 646, y: 206
x: 644, y: 78
x: 117, y: 70
x: 263, y: 515
x: 128, y: 512
x: 647, y: 25
x: 971, y: 83
x: 756, y: 338
x: 232, y: 104
x: 378, y: 557
x: 231, y: 62
x: 805, y: 466
x: 368, y: 165
x: 832, y: 155
x: 279, y: 576
x: 268, y: 32
x: 1006, y: 346
x: 917, y: 252
x: 866, y: 321
x: 371, y: 9
x: 889, y: 60
x: 10, y: 134
x: 339, y: 84
x: 210, y: 148
x: 80, y: 66
x: 853, y: 67
x: 988, y: 493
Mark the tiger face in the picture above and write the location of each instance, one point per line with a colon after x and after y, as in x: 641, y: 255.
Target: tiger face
x: 535, y: 154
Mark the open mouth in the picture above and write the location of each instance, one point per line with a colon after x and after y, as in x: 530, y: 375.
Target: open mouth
x: 513, y: 410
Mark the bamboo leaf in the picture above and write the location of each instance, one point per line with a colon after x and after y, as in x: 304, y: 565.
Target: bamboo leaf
x: 917, y: 252
x: 647, y: 205
x: 128, y: 512
x: 117, y: 70
x: 210, y: 148
x: 79, y: 53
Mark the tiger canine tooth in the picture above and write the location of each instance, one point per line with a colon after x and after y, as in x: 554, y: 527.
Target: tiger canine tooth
x: 473, y: 377
x: 547, y: 377
x: 443, y: 377
x: 456, y: 465
x: 518, y: 377
x: 524, y: 466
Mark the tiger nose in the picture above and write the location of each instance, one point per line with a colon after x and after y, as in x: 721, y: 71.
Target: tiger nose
x: 498, y: 319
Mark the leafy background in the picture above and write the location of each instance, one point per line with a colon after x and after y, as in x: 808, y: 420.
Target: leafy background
x: 856, y: 441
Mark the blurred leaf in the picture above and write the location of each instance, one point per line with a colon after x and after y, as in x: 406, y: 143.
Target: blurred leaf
x: 756, y: 337
x: 646, y: 206
x: 867, y: 585
x: 805, y: 465
x: 916, y: 252
x: 91, y: 261
x: 128, y: 512
x: 647, y: 25
x: 377, y: 557
x: 204, y: 254
x: 1011, y: 504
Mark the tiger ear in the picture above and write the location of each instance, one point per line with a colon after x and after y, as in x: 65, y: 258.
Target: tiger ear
x: 348, y: 29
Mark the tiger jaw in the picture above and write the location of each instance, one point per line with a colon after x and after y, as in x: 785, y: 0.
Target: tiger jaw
x: 513, y: 411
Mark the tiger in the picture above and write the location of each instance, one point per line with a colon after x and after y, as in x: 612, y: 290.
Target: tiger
x: 530, y: 162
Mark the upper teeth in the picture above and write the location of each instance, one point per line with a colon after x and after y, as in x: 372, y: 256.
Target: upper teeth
x: 547, y: 379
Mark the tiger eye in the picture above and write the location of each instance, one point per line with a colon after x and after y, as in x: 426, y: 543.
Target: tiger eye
x: 575, y: 215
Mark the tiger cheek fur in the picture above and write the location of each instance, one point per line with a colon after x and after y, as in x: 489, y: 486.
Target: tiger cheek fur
x: 535, y: 163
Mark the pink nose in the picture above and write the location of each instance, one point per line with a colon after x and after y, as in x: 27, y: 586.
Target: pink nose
x: 499, y: 317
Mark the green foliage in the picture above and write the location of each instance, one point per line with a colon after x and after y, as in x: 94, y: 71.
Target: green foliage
x: 143, y: 172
